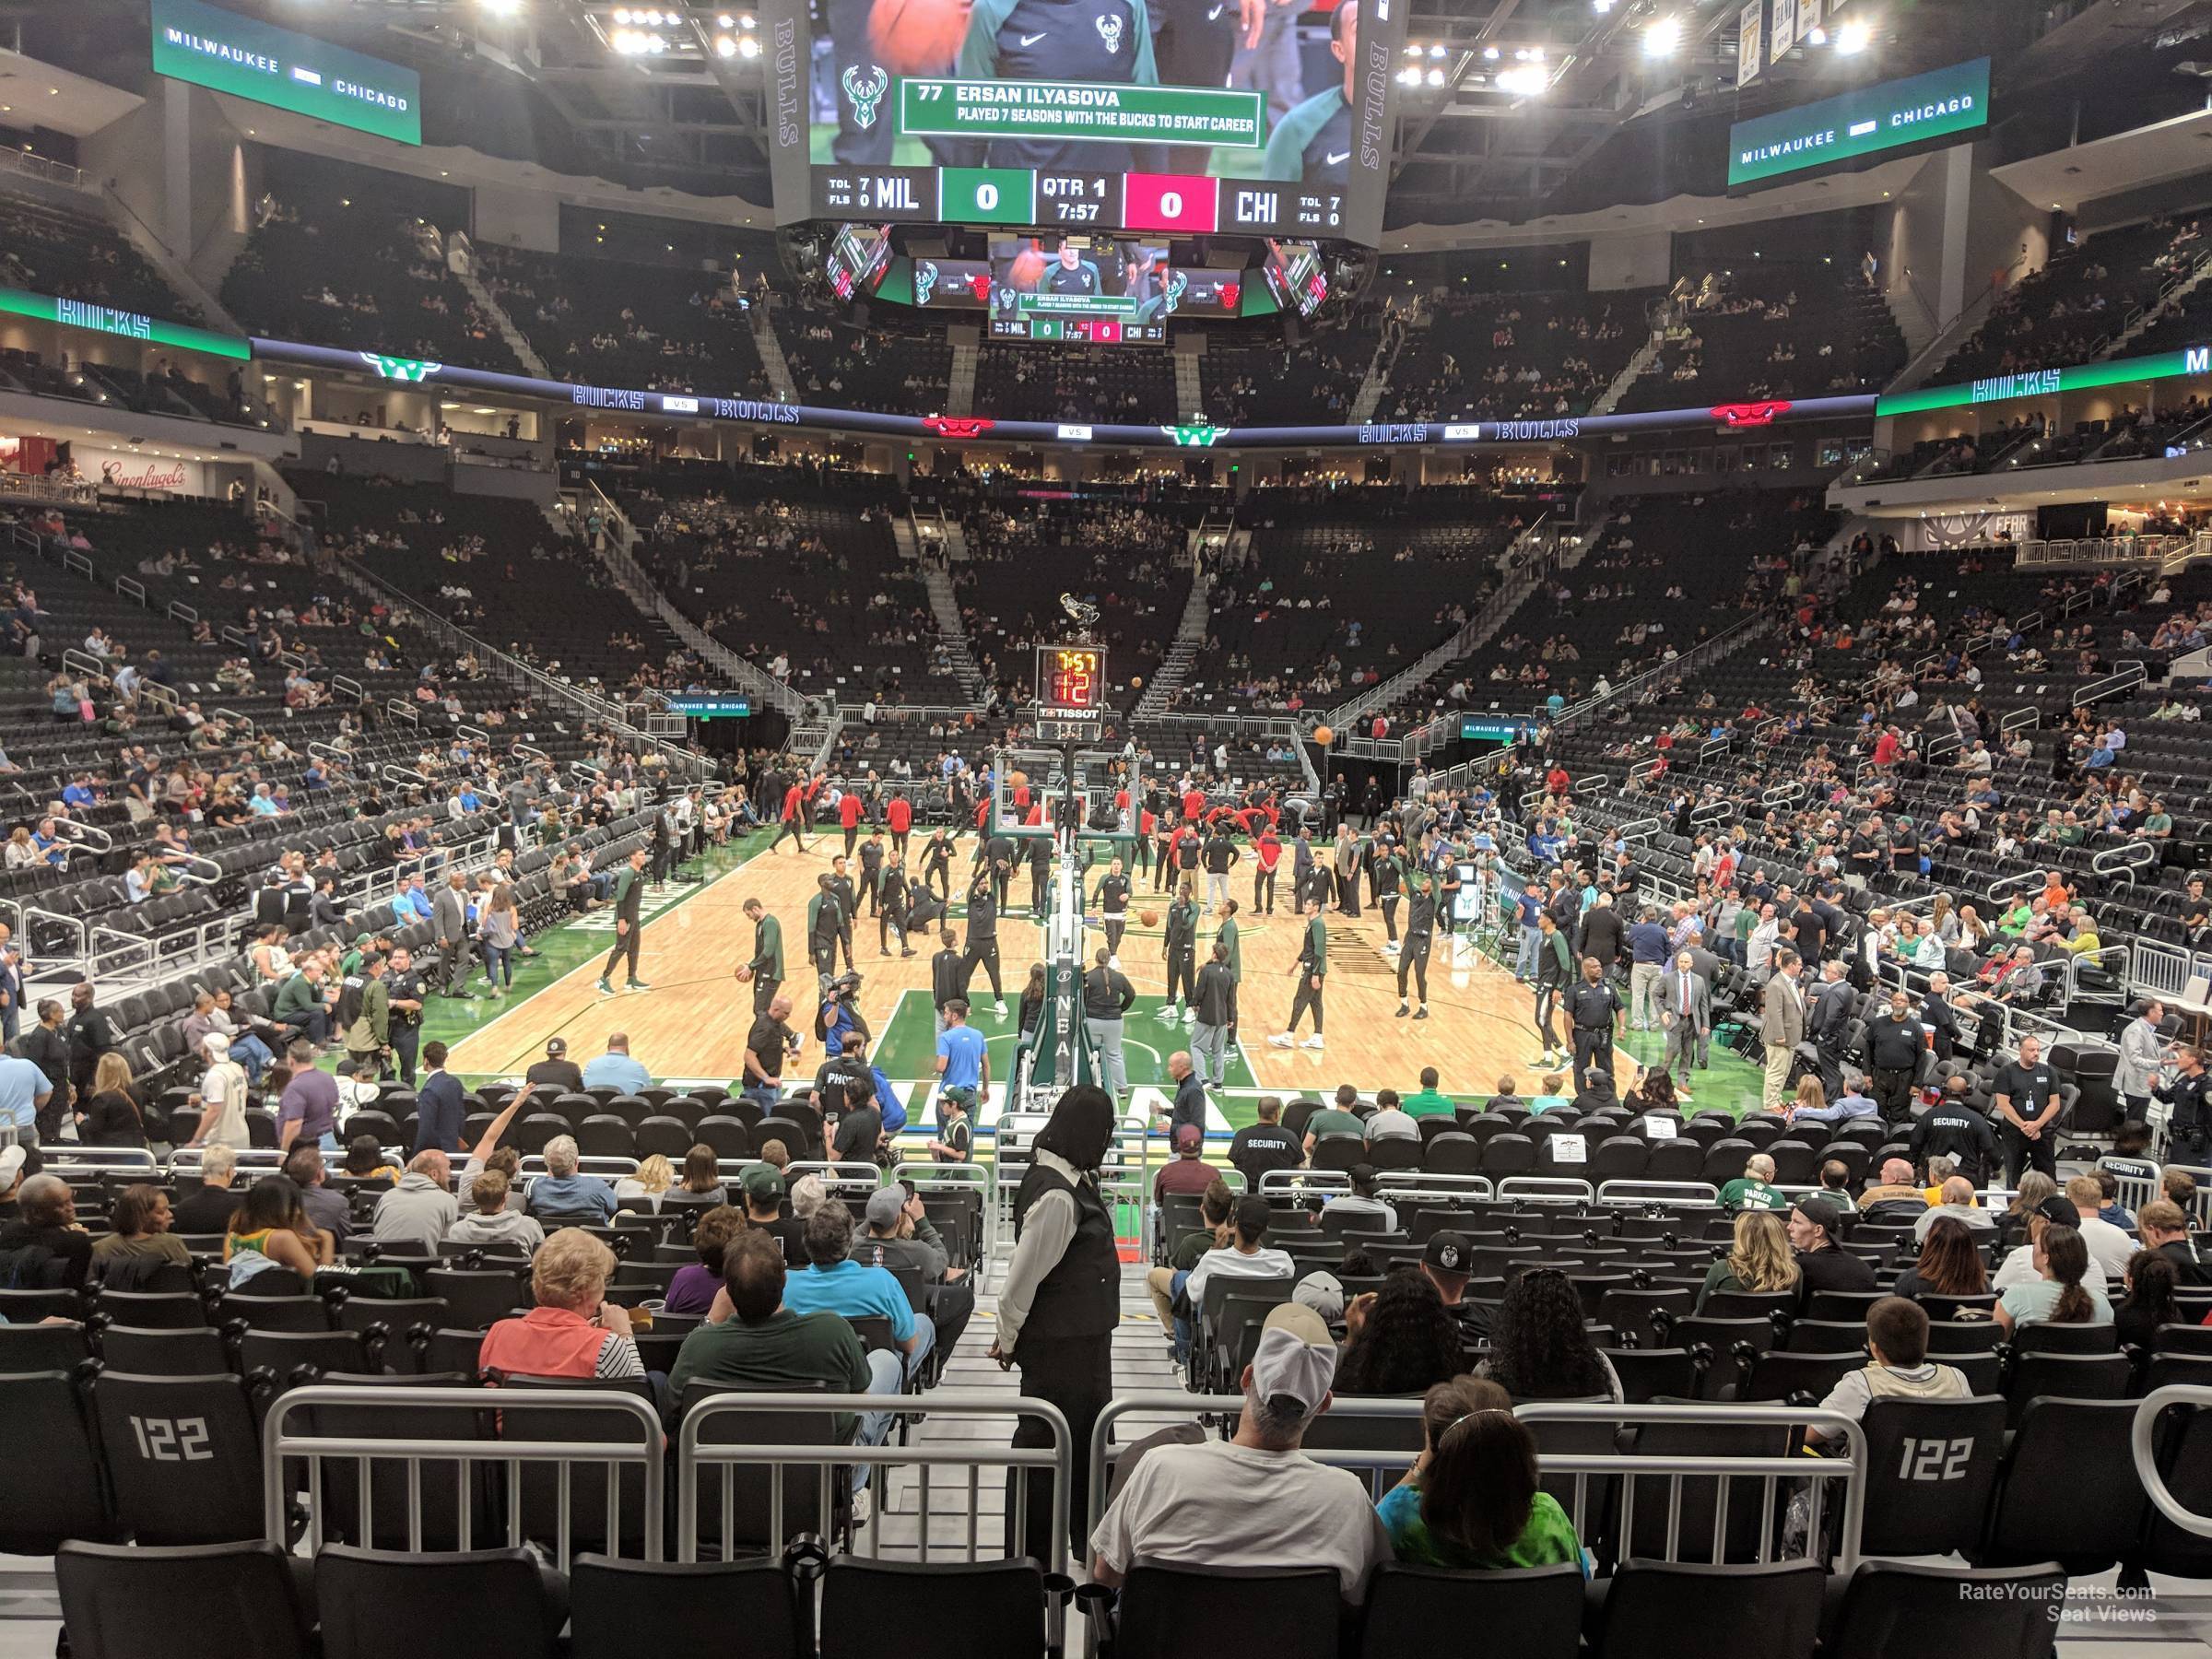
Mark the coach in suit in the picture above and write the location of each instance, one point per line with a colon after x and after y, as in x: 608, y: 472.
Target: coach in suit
x: 1782, y: 1023
x: 1685, y: 1015
x: 449, y: 921
x: 1827, y: 1022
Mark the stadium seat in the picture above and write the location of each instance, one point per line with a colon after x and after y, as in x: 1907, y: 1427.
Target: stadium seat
x: 1931, y: 1466
x: 247, y: 1600
x: 1537, y: 1609
x: 1899, y: 1610
x: 402, y: 1604
x: 1173, y: 1612
x: 622, y: 1607
x: 1655, y: 1609
x: 182, y: 1456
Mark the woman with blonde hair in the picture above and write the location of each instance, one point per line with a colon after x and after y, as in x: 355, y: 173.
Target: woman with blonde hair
x: 656, y: 1175
x: 22, y: 851
x: 113, y: 1113
x: 574, y: 1331
x: 1759, y: 1261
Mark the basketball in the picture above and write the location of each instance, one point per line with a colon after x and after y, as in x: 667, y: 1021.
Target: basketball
x: 1027, y: 271
x: 918, y: 37
x: 1323, y: 735
x: 1018, y: 780
x: 1136, y: 682
x: 1150, y: 918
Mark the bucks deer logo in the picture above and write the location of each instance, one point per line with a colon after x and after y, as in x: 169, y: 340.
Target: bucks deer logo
x: 1110, y: 31
x: 925, y: 282
x: 1176, y: 284
x: 866, y: 94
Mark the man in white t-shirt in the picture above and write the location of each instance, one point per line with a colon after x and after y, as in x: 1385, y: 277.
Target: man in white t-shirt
x: 2110, y: 1247
x: 1256, y: 1501
x: 2019, y: 1268
x: 1245, y: 1256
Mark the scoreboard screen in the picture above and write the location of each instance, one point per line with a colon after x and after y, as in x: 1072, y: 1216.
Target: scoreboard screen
x: 1087, y: 115
x: 1082, y: 289
x: 1071, y: 680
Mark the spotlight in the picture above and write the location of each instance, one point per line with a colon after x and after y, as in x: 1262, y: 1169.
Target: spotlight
x: 1663, y: 39
x: 748, y: 46
x: 1528, y: 80
x: 1436, y: 77
x: 1854, y: 37
x: 725, y: 45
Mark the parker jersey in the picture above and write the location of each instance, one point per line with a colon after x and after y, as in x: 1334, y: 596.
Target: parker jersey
x: 1104, y: 42
x: 1313, y: 142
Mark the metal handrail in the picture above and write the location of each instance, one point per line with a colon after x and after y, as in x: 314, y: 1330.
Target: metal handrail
x: 691, y: 1456
x: 2143, y: 1442
x: 278, y: 1446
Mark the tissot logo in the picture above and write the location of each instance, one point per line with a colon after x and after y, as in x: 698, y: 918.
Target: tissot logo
x: 400, y: 369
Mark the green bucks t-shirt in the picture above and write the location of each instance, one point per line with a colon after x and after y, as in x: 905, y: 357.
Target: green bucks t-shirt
x: 1428, y: 1102
x: 1744, y: 1193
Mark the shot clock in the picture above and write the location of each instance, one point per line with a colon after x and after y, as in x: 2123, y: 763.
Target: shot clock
x: 1071, y: 680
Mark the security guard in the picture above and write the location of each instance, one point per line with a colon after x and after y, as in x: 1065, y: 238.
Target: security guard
x: 1895, y: 1042
x: 1954, y: 1129
x: 2189, y: 1129
x: 1594, y: 1010
x: 2026, y: 1096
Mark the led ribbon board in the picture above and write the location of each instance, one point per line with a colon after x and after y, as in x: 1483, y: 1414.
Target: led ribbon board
x: 247, y: 58
x: 133, y: 325
x: 701, y: 706
x: 2045, y: 382
x: 1860, y: 123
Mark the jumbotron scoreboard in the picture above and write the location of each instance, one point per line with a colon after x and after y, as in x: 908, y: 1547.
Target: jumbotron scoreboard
x: 1176, y: 204
x: 1086, y: 115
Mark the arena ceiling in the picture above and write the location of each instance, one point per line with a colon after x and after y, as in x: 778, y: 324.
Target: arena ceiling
x: 1511, y: 111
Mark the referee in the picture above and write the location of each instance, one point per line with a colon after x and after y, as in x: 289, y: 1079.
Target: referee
x: 1595, y: 1010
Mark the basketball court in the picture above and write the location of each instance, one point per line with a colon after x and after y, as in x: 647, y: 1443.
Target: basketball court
x: 690, y: 1026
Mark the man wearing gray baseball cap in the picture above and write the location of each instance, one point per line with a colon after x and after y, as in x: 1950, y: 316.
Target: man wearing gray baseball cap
x: 1256, y: 1501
